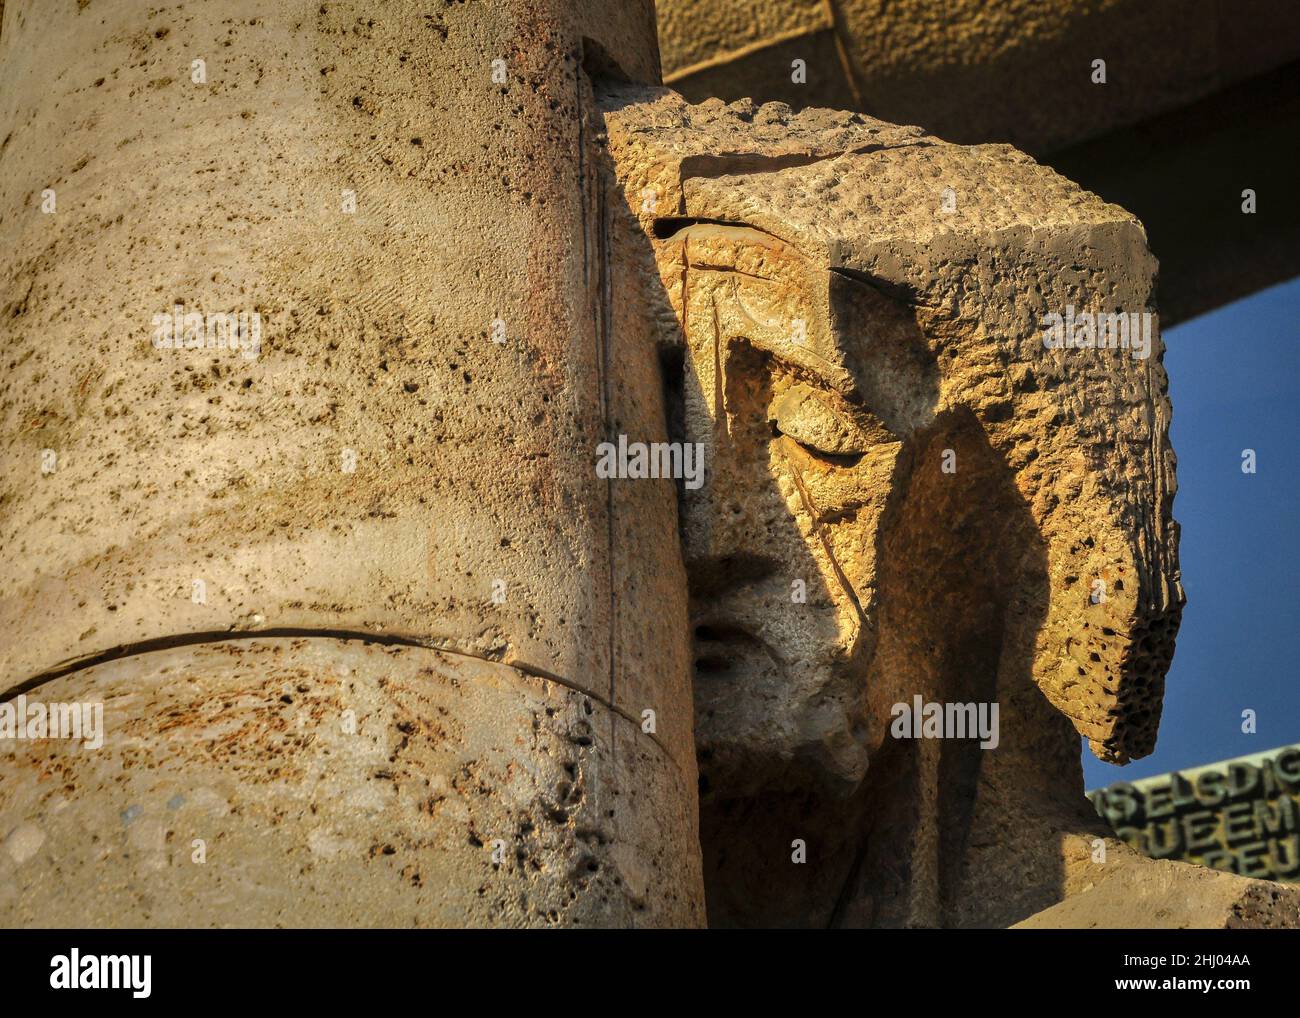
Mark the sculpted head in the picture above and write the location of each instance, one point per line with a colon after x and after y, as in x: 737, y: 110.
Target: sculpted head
x: 912, y: 489
x: 803, y: 427
x: 876, y: 524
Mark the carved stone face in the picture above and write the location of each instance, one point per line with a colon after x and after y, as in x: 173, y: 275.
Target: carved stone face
x: 841, y: 470
x: 802, y: 449
x: 907, y: 493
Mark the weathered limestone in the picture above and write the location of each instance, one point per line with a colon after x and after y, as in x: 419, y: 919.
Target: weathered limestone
x: 824, y: 243
x: 1130, y: 892
x: 1018, y: 71
x: 974, y: 517
x: 309, y: 781
x: 407, y: 458
x: 915, y: 490
x: 375, y: 643
x: 1204, y: 92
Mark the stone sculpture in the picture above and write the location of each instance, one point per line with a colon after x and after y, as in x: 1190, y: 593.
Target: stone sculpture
x: 378, y: 643
x: 974, y: 516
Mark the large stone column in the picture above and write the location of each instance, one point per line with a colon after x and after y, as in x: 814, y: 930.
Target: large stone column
x: 374, y: 643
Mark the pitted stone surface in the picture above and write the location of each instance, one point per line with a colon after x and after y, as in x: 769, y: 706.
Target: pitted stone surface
x: 1084, y: 432
x: 837, y: 309
x: 315, y: 782
x: 409, y: 455
x: 974, y: 517
x: 1019, y: 71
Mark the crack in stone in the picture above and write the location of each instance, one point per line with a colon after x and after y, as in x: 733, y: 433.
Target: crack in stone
x: 161, y: 643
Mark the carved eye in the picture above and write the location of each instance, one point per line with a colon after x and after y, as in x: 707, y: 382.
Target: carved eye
x: 808, y: 418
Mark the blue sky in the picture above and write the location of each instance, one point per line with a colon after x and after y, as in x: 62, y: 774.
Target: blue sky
x: 1234, y: 378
